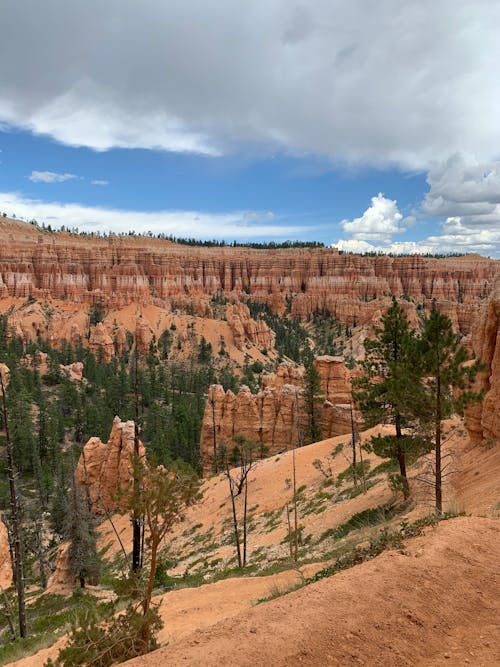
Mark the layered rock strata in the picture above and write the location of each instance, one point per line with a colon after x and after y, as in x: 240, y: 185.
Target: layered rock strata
x: 483, y: 419
x: 244, y: 328
x: 122, y: 270
x: 272, y: 417
x: 105, y: 470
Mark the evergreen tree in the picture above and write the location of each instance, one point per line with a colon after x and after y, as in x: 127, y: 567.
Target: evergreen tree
x: 84, y: 562
x: 447, y: 385
x: 389, y: 387
x: 313, y: 399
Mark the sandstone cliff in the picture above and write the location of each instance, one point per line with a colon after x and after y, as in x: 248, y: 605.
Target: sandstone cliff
x: 105, y: 468
x: 271, y: 417
x: 123, y: 270
x: 244, y: 328
x: 483, y: 419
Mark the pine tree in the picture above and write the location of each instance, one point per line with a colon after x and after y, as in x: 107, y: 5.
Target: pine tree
x: 389, y: 387
x: 79, y: 529
x: 313, y: 399
x: 447, y: 385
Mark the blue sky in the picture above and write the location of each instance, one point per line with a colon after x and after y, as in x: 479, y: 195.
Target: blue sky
x: 317, y: 121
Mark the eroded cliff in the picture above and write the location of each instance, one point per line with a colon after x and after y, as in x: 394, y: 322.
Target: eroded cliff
x: 483, y: 419
x: 274, y: 416
x: 124, y: 270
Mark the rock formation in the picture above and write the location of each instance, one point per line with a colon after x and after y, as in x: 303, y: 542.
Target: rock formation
x: 101, y: 343
x: 5, y: 374
x: 5, y: 561
x: 106, y: 468
x: 60, y: 581
x: 270, y: 417
x: 143, y: 336
x: 483, y: 419
x: 122, y: 270
x: 287, y: 373
x: 245, y: 328
x: 73, y: 371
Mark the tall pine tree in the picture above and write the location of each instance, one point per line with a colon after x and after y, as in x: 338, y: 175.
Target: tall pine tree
x: 447, y: 388
x: 389, y: 386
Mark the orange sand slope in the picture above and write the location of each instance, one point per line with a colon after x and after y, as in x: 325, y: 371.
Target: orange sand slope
x: 438, y: 603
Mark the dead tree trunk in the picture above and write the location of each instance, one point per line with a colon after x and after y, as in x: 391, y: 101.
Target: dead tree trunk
x: 136, y: 519
x: 353, y: 443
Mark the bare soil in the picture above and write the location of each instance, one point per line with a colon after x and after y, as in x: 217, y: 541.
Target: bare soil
x: 438, y: 603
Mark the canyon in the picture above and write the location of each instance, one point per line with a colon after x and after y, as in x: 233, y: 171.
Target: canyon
x: 120, y: 270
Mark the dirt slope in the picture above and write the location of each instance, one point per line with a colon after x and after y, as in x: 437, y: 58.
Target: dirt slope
x: 439, y: 603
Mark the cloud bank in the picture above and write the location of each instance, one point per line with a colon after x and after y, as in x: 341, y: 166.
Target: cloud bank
x: 400, y: 83
x: 199, y: 224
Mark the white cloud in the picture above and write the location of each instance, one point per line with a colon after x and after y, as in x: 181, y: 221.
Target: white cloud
x: 400, y: 248
x: 50, y: 177
x: 98, y: 181
x: 378, y: 223
x: 232, y: 225
x: 400, y: 85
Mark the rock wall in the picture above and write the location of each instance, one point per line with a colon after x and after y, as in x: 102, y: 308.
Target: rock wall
x: 483, y: 419
x: 124, y: 270
x: 271, y: 416
x: 244, y: 328
x: 105, y: 468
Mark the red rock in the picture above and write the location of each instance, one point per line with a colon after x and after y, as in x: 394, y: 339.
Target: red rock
x: 244, y: 328
x: 483, y: 419
x: 60, y: 581
x: 142, y: 270
x: 5, y: 374
x: 101, y: 343
x: 271, y: 417
x: 106, y: 468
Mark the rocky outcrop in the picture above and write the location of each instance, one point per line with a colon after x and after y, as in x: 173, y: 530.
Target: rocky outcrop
x: 5, y: 561
x: 105, y: 469
x: 122, y: 270
x: 335, y: 379
x: 271, y: 417
x: 5, y: 374
x: 287, y: 373
x: 40, y: 362
x: 101, y: 343
x: 244, y: 328
x: 143, y: 336
x: 268, y: 418
x: 483, y: 419
x: 73, y: 371
x: 61, y: 581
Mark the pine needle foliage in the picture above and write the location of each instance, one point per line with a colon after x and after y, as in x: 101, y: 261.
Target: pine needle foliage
x: 390, y: 386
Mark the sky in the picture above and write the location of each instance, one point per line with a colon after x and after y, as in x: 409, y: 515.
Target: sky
x: 368, y: 126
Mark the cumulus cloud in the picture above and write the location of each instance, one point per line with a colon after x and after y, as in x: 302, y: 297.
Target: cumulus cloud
x: 378, y: 223
x: 50, y: 177
x: 466, y: 192
x: 400, y: 85
x: 98, y: 181
x: 232, y: 225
